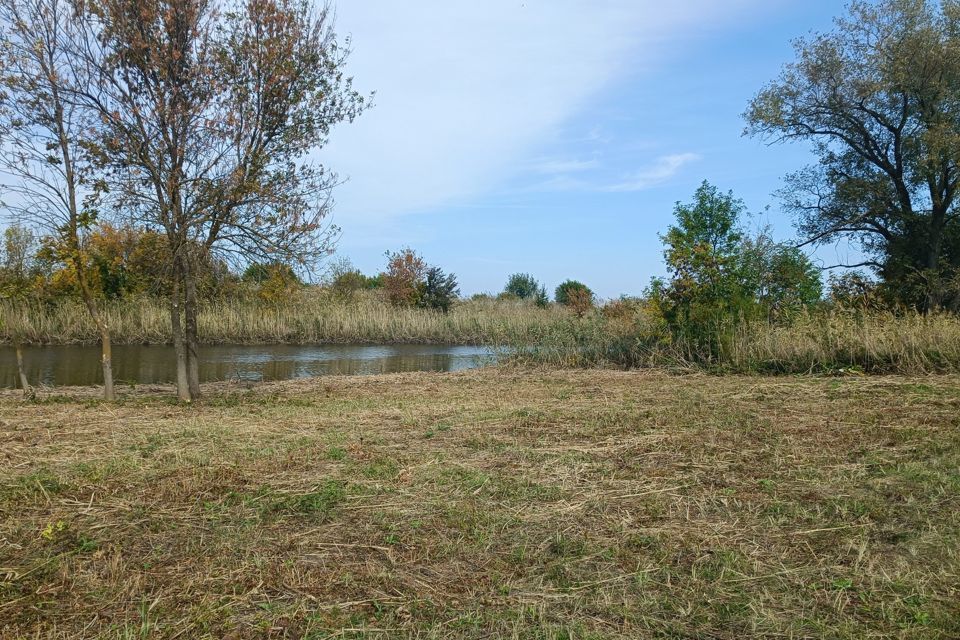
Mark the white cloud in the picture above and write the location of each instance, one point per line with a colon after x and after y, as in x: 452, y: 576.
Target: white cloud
x: 467, y: 90
x: 657, y: 173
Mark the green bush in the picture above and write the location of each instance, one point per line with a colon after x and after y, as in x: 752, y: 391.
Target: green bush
x: 524, y: 286
x: 572, y: 292
x: 439, y: 290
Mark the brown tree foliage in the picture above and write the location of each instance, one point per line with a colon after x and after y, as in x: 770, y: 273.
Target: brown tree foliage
x: 406, y: 270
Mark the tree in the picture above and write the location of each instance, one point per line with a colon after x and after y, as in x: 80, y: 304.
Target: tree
x: 275, y: 282
x: 525, y: 287
x: 45, y: 140
x: 719, y: 277
x: 406, y: 270
x: 701, y: 252
x: 574, y: 295
x: 345, y: 280
x: 439, y: 290
x: 877, y: 98
x: 210, y: 114
x: 17, y: 276
x: 778, y: 278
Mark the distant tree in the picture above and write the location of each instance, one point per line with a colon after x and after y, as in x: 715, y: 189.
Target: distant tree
x: 344, y: 280
x: 275, y: 282
x: 45, y: 140
x: 439, y: 290
x: 410, y: 282
x: 779, y: 278
x: 18, y: 268
x: 348, y: 283
x: 853, y: 290
x: 256, y: 273
x: 877, y: 99
x: 574, y: 295
x: 525, y: 287
x: 374, y: 282
x: 406, y: 271
x: 280, y: 285
x: 580, y: 300
x: 17, y: 284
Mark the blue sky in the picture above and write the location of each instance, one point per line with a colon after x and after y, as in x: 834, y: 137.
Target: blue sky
x: 554, y: 136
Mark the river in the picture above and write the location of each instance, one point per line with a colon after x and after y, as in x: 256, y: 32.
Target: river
x: 73, y: 365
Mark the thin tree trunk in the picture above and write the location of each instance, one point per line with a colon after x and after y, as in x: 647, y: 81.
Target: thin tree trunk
x: 18, y: 348
x: 106, y: 348
x: 934, y: 271
x: 190, y: 314
x: 179, y: 343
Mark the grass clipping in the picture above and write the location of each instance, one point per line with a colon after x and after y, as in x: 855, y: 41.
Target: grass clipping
x: 487, y: 504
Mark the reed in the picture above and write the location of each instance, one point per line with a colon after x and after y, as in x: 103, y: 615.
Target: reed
x: 824, y: 341
x: 320, y: 318
x: 821, y: 341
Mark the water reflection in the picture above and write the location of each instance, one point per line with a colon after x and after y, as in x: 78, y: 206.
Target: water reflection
x: 80, y: 365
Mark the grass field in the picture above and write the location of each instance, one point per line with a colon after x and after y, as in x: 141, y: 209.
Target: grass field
x: 499, y: 503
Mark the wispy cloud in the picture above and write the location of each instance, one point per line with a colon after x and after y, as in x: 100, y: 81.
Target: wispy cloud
x: 591, y: 176
x: 655, y: 174
x: 555, y: 166
x: 467, y: 90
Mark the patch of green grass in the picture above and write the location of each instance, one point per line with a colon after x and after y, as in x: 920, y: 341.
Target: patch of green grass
x: 317, y: 504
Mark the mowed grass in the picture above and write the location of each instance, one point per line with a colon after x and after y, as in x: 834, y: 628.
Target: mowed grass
x: 498, y: 503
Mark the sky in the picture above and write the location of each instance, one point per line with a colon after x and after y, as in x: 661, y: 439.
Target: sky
x: 554, y: 137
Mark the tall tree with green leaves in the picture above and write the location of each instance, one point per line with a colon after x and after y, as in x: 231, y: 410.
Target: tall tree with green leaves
x: 45, y: 138
x: 719, y: 276
x: 876, y: 98
x: 701, y: 253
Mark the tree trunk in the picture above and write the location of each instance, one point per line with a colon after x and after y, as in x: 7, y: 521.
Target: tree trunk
x: 934, y: 272
x: 179, y: 341
x: 18, y: 348
x: 190, y: 314
x: 106, y: 361
x: 106, y: 348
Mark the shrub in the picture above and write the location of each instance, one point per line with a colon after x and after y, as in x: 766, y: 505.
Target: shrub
x: 348, y: 283
x: 410, y: 282
x: 406, y: 271
x: 439, y: 290
x: 524, y: 286
x: 572, y: 293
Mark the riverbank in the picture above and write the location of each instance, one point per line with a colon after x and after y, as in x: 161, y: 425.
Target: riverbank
x: 618, y: 335
x: 490, y: 503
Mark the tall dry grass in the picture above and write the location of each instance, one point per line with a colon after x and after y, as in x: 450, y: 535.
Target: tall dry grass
x: 817, y: 341
x: 312, y: 318
x: 874, y: 342
x: 823, y: 341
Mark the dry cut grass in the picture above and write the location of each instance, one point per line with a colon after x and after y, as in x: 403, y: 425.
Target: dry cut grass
x: 490, y: 504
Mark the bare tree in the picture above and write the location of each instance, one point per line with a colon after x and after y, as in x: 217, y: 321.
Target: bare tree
x: 210, y: 114
x: 43, y: 150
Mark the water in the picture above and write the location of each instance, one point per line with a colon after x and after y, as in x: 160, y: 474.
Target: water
x: 80, y: 365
